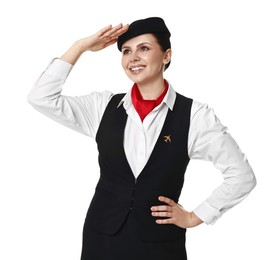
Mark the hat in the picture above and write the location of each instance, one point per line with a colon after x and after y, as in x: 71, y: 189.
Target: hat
x: 155, y: 25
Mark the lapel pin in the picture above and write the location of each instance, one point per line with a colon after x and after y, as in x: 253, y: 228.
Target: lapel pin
x: 167, y: 138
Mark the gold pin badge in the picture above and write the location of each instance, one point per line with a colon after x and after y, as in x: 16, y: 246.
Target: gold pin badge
x: 167, y: 138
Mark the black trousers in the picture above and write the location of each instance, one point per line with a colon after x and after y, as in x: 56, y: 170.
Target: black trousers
x: 125, y: 245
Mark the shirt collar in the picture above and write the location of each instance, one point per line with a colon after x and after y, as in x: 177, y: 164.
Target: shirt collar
x: 169, y: 99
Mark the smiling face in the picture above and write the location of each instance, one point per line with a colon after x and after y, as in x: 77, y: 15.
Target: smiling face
x: 143, y: 59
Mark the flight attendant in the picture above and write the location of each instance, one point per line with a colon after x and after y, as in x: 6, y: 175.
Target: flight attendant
x: 146, y: 138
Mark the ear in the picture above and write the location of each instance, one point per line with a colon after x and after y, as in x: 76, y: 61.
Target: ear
x: 167, y: 56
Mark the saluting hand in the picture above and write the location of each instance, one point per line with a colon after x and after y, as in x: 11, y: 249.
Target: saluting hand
x: 173, y: 213
x: 103, y: 38
x: 98, y: 41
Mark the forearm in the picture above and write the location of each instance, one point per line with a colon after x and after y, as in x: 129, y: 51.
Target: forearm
x: 239, y: 181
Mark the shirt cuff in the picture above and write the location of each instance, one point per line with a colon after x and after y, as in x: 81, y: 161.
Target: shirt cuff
x: 207, y: 213
x: 59, y: 68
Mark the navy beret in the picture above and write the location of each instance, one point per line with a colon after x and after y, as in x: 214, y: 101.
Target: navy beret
x: 155, y: 25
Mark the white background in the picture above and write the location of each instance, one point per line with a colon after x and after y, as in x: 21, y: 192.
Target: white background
x: 224, y: 54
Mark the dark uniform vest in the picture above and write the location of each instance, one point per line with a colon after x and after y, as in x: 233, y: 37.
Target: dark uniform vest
x: 118, y: 194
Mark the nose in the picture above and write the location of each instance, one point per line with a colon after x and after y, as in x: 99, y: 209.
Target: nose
x: 134, y: 57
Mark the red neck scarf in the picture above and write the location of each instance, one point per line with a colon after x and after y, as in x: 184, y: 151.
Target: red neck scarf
x: 142, y: 106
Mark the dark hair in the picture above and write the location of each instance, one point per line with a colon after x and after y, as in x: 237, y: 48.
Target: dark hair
x: 164, y: 41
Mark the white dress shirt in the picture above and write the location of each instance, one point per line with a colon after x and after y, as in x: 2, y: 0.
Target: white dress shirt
x: 208, y: 138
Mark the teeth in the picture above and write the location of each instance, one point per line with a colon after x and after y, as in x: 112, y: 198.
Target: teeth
x: 136, y: 69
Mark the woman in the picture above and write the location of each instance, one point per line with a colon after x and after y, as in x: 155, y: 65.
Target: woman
x: 145, y: 139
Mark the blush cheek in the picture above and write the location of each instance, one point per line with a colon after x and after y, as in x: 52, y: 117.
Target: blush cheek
x: 124, y: 62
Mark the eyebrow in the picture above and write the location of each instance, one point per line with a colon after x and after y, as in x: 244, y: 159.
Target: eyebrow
x: 142, y: 43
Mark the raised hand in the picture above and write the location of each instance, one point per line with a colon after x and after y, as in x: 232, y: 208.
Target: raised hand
x: 98, y: 41
x: 103, y: 38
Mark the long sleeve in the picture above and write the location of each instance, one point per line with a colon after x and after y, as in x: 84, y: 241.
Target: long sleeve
x: 82, y: 114
x: 210, y: 141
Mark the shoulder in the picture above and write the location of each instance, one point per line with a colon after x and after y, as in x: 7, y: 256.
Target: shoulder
x: 199, y: 108
x: 204, y: 117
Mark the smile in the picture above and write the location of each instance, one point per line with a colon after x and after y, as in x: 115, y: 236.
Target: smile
x: 137, y: 69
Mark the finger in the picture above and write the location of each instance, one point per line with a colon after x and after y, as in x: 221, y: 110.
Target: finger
x: 104, y: 30
x: 168, y: 201
x: 161, y: 208
x: 111, y: 30
x: 115, y: 28
x: 118, y: 31
x: 162, y: 214
x: 165, y: 221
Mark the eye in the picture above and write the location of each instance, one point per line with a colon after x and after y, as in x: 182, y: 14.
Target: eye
x: 126, y: 51
x: 144, y: 48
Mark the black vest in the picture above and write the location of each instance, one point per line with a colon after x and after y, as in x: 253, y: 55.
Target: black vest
x: 118, y: 194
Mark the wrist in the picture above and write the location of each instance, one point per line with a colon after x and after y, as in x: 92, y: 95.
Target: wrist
x: 194, y: 220
x: 79, y: 47
x: 73, y: 54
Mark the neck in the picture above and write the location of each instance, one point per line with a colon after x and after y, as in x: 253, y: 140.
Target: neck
x: 151, y: 91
